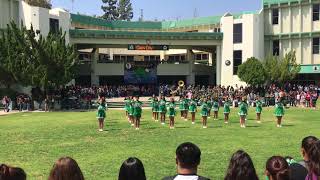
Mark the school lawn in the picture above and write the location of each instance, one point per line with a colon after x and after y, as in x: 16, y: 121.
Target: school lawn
x: 34, y: 141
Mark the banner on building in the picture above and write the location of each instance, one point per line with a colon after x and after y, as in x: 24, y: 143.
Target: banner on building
x: 140, y: 73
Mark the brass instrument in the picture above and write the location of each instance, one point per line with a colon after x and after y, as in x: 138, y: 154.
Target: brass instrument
x: 180, y: 85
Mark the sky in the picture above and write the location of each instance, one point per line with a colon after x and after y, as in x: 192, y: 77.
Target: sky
x: 166, y: 9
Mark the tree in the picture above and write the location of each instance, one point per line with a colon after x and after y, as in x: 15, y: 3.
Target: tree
x: 252, y: 72
x: 125, y: 10
x: 110, y: 10
x: 40, y: 3
x: 281, y: 70
x: 37, y: 61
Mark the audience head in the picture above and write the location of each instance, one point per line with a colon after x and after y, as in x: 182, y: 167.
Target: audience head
x: 188, y: 157
x: 277, y: 168
x: 306, y: 144
x: 66, y: 168
x: 11, y: 173
x: 241, y: 167
x: 132, y: 169
x: 314, y: 158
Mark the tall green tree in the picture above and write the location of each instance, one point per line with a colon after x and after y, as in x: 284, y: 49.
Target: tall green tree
x: 281, y: 70
x: 252, y: 72
x: 125, y: 10
x: 110, y: 10
x: 37, y: 61
x: 40, y: 3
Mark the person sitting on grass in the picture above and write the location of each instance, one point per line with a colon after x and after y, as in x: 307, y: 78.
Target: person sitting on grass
x: 66, y: 168
x: 11, y: 173
x: 277, y: 168
x: 314, y: 161
x: 188, y: 157
x: 132, y: 169
x: 241, y: 167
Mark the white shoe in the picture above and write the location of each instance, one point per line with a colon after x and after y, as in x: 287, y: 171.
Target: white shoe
x: 209, y: 117
x: 259, y: 122
x: 100, y: 130
x: 226, y: 122
x: 132, y: 124
x: 163, y: 123
x: 137, y: 128
x: 204, y: 127
x: 193, y: 122
x: 185, y: 119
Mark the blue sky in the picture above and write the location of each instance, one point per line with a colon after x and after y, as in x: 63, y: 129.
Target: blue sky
x: 166, y: 9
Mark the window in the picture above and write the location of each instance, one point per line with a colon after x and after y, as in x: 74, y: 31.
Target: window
x: 276, y: 47
x: 316, y: 12
x: 316, y: 45
x: 237, y: 33
x: 54, y: 25
x: 237, y: 61
x: 198, y: 56
x: 275, y: 16
x: 205, y: 57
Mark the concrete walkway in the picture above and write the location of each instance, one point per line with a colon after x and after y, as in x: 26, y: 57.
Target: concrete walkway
x: 2, y: 113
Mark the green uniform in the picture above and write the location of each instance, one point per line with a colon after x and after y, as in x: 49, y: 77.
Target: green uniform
x: 186, y: 105
x: 226, y: 107
x: 243, y: 108
x: 209, y: 105
x: 204, y: 109
x: 137, y: 108
x: 215, y: 106
x: 155, y: 106
x: 130, y: 108
x: 162, y: 106
x: 258, y: 106
x: 171, y: 109
x: 279, y: 109
x: 101, y: 114
x: 127, y: 104
x: 192, y: 106
x: 182, y: 105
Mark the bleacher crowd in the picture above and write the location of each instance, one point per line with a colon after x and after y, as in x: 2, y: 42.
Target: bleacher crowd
x: 188, y: 157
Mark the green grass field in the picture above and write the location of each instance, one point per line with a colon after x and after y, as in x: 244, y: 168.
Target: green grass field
x: 34, y: 141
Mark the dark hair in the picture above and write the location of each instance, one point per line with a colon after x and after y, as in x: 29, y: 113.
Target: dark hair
x: 314, y: 158
x: 66, y: 168
x: 241, y: 167
x: 278, y: 168
x: 11, y: 173
x: 307, y: 142
x: 188, y: 155
x: 132, y: 169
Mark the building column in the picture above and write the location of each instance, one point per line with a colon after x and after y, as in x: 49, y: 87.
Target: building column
x: 94, y: 64
x: 111, y: 54
x: 218, y: 65
x: 191, y: 79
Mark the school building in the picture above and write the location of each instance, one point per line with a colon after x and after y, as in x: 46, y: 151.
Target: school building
x: 204, y: 50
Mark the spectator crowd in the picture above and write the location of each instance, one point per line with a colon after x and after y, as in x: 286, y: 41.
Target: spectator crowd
x: 78, y: 97
x: 188, y: 157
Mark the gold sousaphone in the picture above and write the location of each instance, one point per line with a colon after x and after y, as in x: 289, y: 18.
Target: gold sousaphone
x: 180, y: 85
